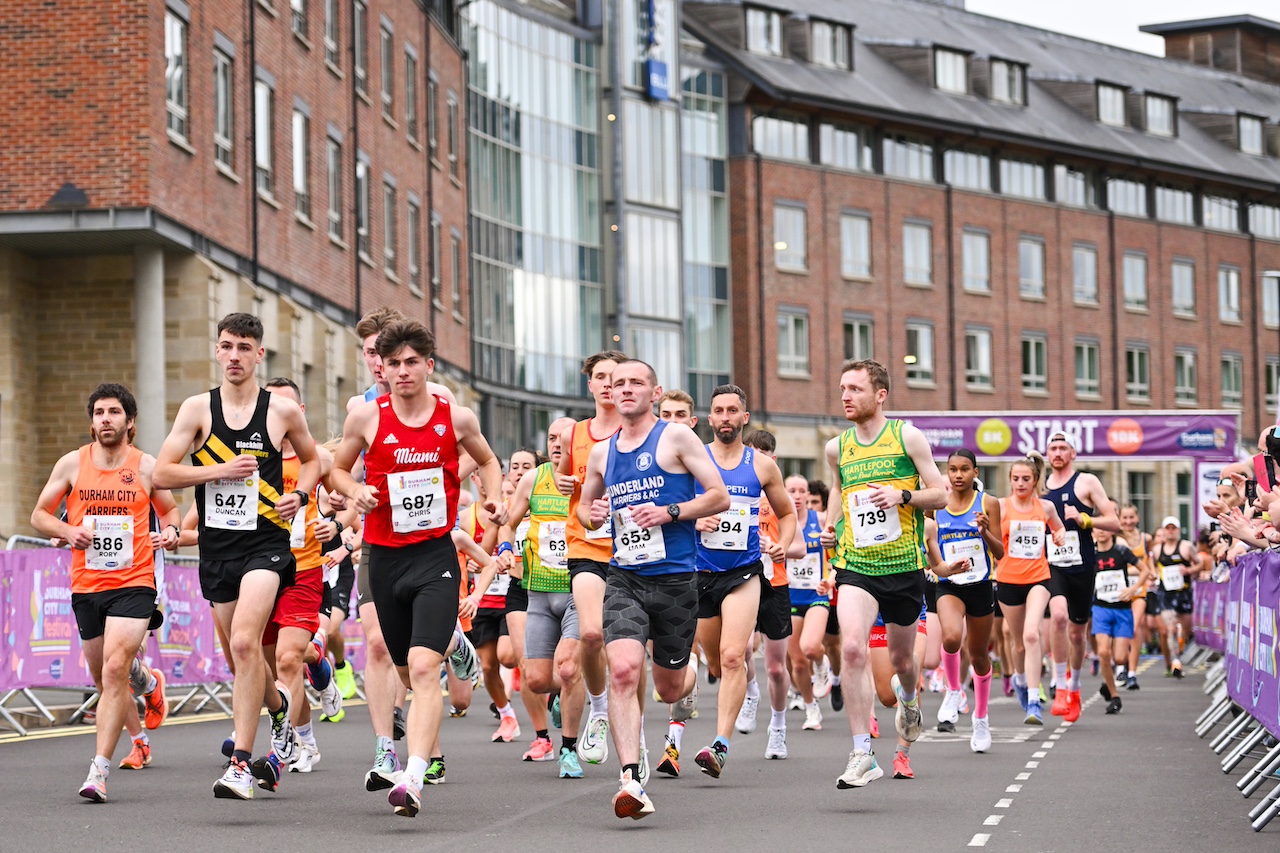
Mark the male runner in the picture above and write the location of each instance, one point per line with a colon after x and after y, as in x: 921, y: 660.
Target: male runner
x: 1175, y: 559
x: 1083, y: 505
x: 109, y: 489
x: 648, y: 469
x: 809, y: 608
x: 887, y: 478
x: 235, y: 434
x: 411, y: 440
x: 677, y: 405
x: 1112, y: 614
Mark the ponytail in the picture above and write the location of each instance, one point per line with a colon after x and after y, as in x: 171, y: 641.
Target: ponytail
x: 1035, y: 463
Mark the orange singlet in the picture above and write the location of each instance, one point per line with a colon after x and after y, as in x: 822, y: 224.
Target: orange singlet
x: 116, y: 507
x: 308, y: 556
x: 769, y: 527
x: 1024, y: 544
x: 585, y: 544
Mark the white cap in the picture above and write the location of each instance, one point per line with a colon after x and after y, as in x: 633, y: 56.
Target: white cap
x: 1064, y: 438
x: 1169, y: 520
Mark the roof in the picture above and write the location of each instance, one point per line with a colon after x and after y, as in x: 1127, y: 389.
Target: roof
x: 880, y: 88
x: 1246, y: 21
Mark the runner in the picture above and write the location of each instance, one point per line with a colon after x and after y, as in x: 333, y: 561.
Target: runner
x: 819, y: 494
x: 887, y: 478
x: 1112, y: 613
x: 649, y: 469
x: 411, y: 440
x: 810, y: 610
x: 1175, y: 559
x: 234, y: 434
x: 1082, y: 504
x: 971, y: 544
x: 110, y: 492
x: 1140, y: 576
x: 677, y: 405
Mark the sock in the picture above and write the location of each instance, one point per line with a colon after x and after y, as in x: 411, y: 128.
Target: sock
x: 143, y: 739
x: 542, y: 734
x: 1073, y: 682
x: 342, y: 665
x: 675, y: 734
x: 753, y: 689
x: 414, y: 770
x: 633, y: 769
x: 835, y: 680
x: 981, y: 693
x: 1059, y: 674
x: 643, y: 745
x: 569, y: 743
x: 905, y: 750
x: 386, y: 743
x: 812, y: 704
x: 242, y: 755
x: 951, y: 666
x: 779, y: 720
x: 103, y: 764
x: 599, y: 704
x: 721, y: 742
x: 1020, y: 679
x: 862, y: 743
x: 505, y: 711
x: 909, y: 697
x: 152, y: 683
x: 305, y: 734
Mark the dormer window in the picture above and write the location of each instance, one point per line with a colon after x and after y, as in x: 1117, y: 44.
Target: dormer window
x: 951, y: 71
x: 1160, y: 113
x: 1111, y: 105
x: 1008, y: 82
x: 831, y: 45
x: 1250, y: 134
x: 764, y: 32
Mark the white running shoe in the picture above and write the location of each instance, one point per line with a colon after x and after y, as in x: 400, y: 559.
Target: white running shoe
x: 631, y: 800
x: 795, y: 702
x: 686, y: 707
x: 236, y: 782
x: 308, y: 757
x: 746, y: 722
x: 94, y: 788
x: 981, y: 740
x: 964, y: 701
x: 949, y: 710
x: 284, y: 740
x: 777, y: 747
x: 822, y: 679
x: 813, y: 718
x: 860, y: 770
x: 644, y: 766
x: 594, y: 746
x: 936, y: 682
x: 331, y: 699
x: 907, y: 719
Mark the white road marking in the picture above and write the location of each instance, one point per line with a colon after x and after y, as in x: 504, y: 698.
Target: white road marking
x: 1022, y: 777
x: 992, y: 820
x: 1004, y: 803
x: 980, y: 840
x: 1032, y: 765
x: 1013, y: 789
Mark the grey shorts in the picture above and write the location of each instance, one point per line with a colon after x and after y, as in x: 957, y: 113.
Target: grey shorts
x: 552, y: 617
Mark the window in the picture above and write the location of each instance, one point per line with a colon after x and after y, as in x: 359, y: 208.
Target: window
x: 223, y: 109
x: 830, y: 45
x: 1088, y: 359
x: 1271, y: 300
x: 1084, y: 274
x: 388, y: 72
x: 436, y: 258
x: 968, y: 169
x: 858, y: 340
x: 1160, y: 115
x: 1272, y: 401
x: 1221, y: 214
x: 1182, y: 499
x: 333, y: 165
x: 906, y: 157
x: 451, y: 129
x: 855, y: 245
x: 362, y: 210
x: 917, y: 253
x: 977, y: 358
x: 976, y: 247
x: 1182, y: 279
x: 919, y: 357
x: 1137, y: 373
x: 332, y: 48
x: 1142, y: 489
x: 1031, y: 267
x: 175, y: 74
x: 1111, y: 105
x: 411, y: 95
x: 1250, y: 129
x: 298, y: 17
x: 844, y: 147
x: 455, y: 271
x: 1232, y: 380
x: 1184, y: 377
x: 764, y: 32
x: 1264, y: 220
x: 1135, y: 280
x: 1229, y: 294
x: 789, y: 237
x: 1175, y: 204
x: 1021, y: 178
x: 1008, y: 82
x: 1072, y: 186
x: 301, y: 164
x: 262, y: 118
x: 793, y: 343
x: 432, y: 121
x: 951, y: 71
x: 360, y: 26
x: 389, y: 226
x: 1127, y: 197
x: 1035, y: 363
x: 413, y: 246
x: 783, y: 138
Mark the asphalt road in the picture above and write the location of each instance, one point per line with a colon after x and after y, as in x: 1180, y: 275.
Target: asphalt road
x: 1137, y: 781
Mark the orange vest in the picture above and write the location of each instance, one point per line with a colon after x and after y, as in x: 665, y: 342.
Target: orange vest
x: 116, y: 506
x: 309, y: 556
x: 579, y: 546
x: 769, y: 527
x: 1022, y: 570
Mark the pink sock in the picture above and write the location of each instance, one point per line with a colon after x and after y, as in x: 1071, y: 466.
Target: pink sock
x: 951, y: 666
x: 981, y: 693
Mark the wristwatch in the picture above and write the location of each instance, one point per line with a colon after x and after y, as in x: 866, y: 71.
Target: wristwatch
x: 906, y: 497
x: 303, y: 497
x: 674, y: 511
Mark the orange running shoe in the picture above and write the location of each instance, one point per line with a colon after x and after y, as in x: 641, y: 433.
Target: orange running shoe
x: 508, y: 730
x: 138, y: 757
x: 1073, y: 706
x: 902, y: 767
x: 157, y: 706
x: 1061, y: 702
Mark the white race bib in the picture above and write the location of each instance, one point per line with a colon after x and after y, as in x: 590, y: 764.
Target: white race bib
x: 735, y: 526
x: 500, y: 585
x: 604, y: 531
x: 232, y: 504
x: 1108, y: 585
x: 1026, y: 540
x: 417, y: 500
x: 298, y: 529
x: 633, y: 546
x: 522, y: 533
x: 1067, y: 554
x: 552, y: 546
x: 806, y: 572
x: 872, y: 525
x: 112, y: 545
x: 974, y: 550
x: 1173, y: 578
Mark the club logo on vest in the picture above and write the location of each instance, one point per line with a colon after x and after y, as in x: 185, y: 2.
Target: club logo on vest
x: 439, y: 428
x: 644, y: 461
x: 127, y: 476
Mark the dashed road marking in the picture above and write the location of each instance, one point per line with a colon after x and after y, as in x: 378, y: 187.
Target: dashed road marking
x: 980, y: 839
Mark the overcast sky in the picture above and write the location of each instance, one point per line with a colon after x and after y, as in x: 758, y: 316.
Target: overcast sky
x: 1115, y: 21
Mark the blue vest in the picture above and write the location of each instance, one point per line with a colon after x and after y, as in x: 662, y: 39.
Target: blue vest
x: 812, y: 545
x: 963, y: 528
x: 715, y: 551
x: 633, y: 478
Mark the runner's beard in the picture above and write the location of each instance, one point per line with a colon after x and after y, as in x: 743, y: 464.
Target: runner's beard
x: 729, y: 437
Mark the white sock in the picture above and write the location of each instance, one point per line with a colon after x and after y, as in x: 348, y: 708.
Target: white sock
x: 305, y: 734
x: 1020, y: 679
x: 753, y: 689
x: 835, y: 680
x: 143, y: 739
x: 414, y: 770
x: 642, y: 743
x: 505, y: 711
x: 103, y: 764
x: 1073, y: 683
x: 675, y: 733
x: 1059, y: 674
x: 813, y: 705
x: 599, y: 704
x: 862, y: 743
x: 779, y: 719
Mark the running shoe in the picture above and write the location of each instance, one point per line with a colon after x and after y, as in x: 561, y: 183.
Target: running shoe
x: 386, y: 768
x: 397, y: 723
x: 1094, y: 663
x: 406, y: 798
x: 321, y: 674
x: 1008, y: 684
x: 236, y: 783
x: 949, y: 710
x: 1035, y: 717
x: 229, y: 744
x: 267, y: 771
x: 594, y: 746
x: 308, y: 757
x: 1176, y: 670
x: 569, y: 766
x: 463, y: 659
x: 284, y: 741
x: 508, y: 730
x: 1113, y: 707
x: 631, y: 800
x: 336, y: 718
x: 981, y: 740
x: 553, y: 705
x: 457, y: 712
x: 795, y: 702
x: 746, y: 722
x: 902, y: 766
x: 1061, y: 703
x: 435, y: 771
x: 837, y: 698
x: 330, y: 699
x: 670, y: 763
x: 1104, y: 691
x: 139, y: 677
x: 1131, y: 683
x: 777, y: 748
x: 812, y: 718
x: 684, y: 709
x: 860, y: 770
x: 94, y: 788
x: 1073, y: 706
x: 907, y: 720
x: 1022, y: 693
x: 138, y: 757
x: 157, y: 706
x: 875, y: 725
x: 344, y: 674
x: 644, y: 763
x: 540, y: 750
x: 822, y: 679
x: 712, y: 759
x: 964, y: 702
x: 936, y: 682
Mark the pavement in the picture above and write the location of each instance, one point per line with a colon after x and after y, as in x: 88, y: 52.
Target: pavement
x: 1137, y: 781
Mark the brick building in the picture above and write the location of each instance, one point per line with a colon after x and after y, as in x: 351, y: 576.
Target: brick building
x: 169, y: 162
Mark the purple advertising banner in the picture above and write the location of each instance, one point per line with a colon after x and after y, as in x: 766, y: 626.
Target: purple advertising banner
x: 42, y: 644
x: 1252, y: 598
x: 1209, y: 620
x: 1101, y: 435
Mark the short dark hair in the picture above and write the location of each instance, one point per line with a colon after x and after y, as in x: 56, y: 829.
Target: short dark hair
x: 377, y: 320
x: 760, y: 439
x: 876, y: 371
x: 653, y: 374
x: 114, y: 391
x: 537, y: 457
x: 285, y: 382
x: 589, y: 366
x: 730, y: 388
x: 819, y: 488
x: 963, y: 453
x: 242, y: 326
x: 406, y: 333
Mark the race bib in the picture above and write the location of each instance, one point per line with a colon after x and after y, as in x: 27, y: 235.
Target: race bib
x: 735, y: 527
x: 500, y: 585
x: 522, y: 533
x: 806, y: 572
x: 298, y: 529
x: 417, y: 500
x: 1108, y: 585
x: 552, y: 546
x: 331, y: 574
x: 972, y: 550
x: 604, y: 531
x: 112, y: 545
x: 633, y: 546
x: 1026, y: 540
x: 872, y: 525
x: 1068, y: 553
x: 1172, y: 578
x: 232, y: 504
